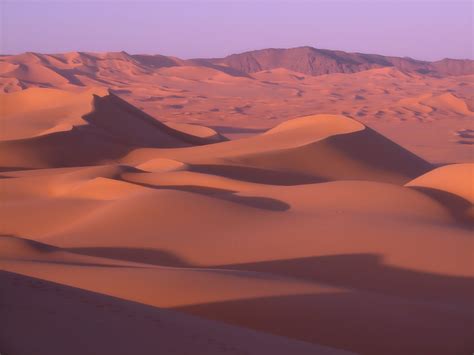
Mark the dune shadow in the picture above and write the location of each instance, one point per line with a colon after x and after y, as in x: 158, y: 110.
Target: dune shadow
x: 85, y: 146
x: 456, y: 205
x: 78, y: 263
x: 228, y: 129
x: 155, y: 61
x: 41, y: 317
x: 256, y: 175
x: 222, y: 68
x: 140, y: 255
x: 466, y: 142
x: 367, y: 272
x: 107, y: 136
x: 265, y: 203
x: 355, y: 321
x: 153, y: 99
x: 38, y: 246
x: 70, y: 75
x: 6, y: 169
x: 377, y: 150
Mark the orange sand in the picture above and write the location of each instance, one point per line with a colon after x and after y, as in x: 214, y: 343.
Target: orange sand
x: 128, y: 226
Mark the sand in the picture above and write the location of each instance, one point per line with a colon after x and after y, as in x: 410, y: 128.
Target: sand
x: 430, y: 114
x: 184, y: 208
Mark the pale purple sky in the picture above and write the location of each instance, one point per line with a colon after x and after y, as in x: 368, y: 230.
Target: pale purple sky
x: 423, y: 29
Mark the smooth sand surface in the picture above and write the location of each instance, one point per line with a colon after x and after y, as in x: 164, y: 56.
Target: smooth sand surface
x: 99, y: 324
x: 129, y: 226
x: 456, y: 179
x: 453, y: 184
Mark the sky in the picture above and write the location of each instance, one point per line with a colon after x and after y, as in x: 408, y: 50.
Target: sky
x: 422, y: 29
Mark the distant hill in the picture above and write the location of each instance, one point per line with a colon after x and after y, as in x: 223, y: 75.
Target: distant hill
x: 313, y: 61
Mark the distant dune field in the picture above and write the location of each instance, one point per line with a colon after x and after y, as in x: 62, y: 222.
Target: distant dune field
x: 425, y: 106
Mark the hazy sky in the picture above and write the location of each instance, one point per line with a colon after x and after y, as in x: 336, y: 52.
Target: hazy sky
x: 422, y: 29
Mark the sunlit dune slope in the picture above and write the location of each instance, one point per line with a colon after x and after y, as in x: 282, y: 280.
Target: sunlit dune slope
x: 457, y: 179
x: 317, y: 148
x: 451, y: 184
x: 40, y: 111
x: 112, y: 128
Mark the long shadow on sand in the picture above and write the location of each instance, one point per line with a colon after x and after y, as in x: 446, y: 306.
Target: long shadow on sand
x: 357, y: 321
x: 230, y: 129
x: 382, y: 310
x: 257, y: 175
x: 367, y: 272
x: 265, y: 203
x: 456, y: 205
x: 140, y: 255
x: 363, y: 272
x: 40, y: 317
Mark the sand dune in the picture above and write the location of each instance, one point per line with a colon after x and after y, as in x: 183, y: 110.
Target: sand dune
x: 116, y: 116
x: 253, y: 236
x: 35, y: 112
x: 456, y: 179
x: 445, y: 103
x: 453, y: 185
x: 395, y: 96
x: 78, y: 68
x: 198, y: 131
x: 244, y: 205
x: 161, y: 165
x: 218, y: 209
x: 92, y: 137
x: 313, y: 148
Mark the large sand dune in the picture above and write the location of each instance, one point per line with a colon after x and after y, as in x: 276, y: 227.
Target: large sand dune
x: 106, y: 129
x: 129, y: 226
x: 426, y: 107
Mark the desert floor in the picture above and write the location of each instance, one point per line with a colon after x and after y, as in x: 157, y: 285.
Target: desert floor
x: 189, y: 210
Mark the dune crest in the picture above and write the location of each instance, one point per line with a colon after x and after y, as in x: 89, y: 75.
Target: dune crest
x: 101, y: 135
x: 40, y: 111
x: 447, y: 181
x: 457, y: 179
x: 324, y: 125
x: 162, y: 164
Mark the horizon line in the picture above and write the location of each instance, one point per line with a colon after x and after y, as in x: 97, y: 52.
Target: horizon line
x: 234, y: 53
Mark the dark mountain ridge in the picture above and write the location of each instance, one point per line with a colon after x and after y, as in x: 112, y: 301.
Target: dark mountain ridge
x: 313, y: 61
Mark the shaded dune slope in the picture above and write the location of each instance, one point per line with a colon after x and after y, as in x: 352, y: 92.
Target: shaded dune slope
x: 135, y: 127
x: 117, y: 326
x: 358, y: 155
x: 113, y: 128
